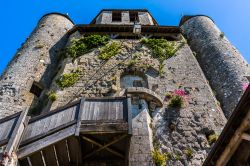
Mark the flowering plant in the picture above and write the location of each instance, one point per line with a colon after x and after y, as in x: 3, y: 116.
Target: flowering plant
x: 245, y: 86
x: 178, y: 98
x: 179, y: 92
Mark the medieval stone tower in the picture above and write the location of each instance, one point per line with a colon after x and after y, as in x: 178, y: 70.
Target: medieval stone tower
x: 179, y: 83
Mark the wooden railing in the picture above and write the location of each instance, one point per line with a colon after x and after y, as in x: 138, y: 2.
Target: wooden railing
x: 96, y: 115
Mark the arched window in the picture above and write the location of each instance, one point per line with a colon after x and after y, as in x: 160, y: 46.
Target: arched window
x: 133, y: 79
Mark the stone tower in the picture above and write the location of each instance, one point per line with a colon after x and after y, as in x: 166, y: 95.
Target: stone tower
x: 183, y: 81
x: 34, y: 64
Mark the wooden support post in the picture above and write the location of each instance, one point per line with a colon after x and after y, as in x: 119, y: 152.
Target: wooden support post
x: 15, y: 138
x: 78, y: 123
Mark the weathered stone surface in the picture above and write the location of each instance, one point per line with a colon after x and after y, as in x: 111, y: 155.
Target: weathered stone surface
x: 36, y: 60
x: 172, y: 130
x: 222, y: 63
x: 105, y: 17
x: 178, y: 129
x: 141, y: 140
x: 190, y: 125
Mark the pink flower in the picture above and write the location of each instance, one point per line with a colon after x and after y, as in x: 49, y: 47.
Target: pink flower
x: 245, y: 86
x: 179, y: 92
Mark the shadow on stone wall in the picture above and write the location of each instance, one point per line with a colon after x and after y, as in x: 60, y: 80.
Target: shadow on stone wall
x: 43, y: 104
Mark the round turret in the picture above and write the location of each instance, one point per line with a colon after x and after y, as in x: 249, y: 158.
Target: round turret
x: 222, y: 63
x: 33, y: 67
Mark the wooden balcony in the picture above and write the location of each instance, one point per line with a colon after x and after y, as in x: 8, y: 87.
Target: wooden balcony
x: 89, y: 131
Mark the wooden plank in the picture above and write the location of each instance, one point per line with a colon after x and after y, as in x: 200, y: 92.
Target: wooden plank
x: 75, y: 151
x: 15, y: 137
x: 35, y: 127
x: 50, y: 156
x: 57, y: 120
x: 79, y: 117
x: 7, y: 128
x: 101, y: 113
x: 84, y: 112
x: 8, y: 118
x: 104, y: 128
x: 41, y: 127
x: 48, y: 123
x: 50, y: 113
x: 91, y: 111
x: 45, y: 134
x: 115, y: 112
x: 60, y: 118
x: 62, y: 153
x: 36, y: 159
x: 47, y: 141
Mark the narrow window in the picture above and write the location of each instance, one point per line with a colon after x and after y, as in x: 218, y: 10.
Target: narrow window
x: 116, y: 16
x: 36, y: 89
x: 133, y: 16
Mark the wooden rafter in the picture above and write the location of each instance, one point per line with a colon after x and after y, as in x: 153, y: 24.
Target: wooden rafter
x: 105, y: 146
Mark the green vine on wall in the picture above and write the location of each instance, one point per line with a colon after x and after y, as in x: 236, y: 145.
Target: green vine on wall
x: 160, y: 159
x: 52, y: 96
x: 69, y: 79
x: 83, y: 45
x: 109, y: 50
x: 161, y: 50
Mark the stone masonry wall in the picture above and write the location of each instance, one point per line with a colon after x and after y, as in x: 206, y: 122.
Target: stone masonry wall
x: 179, y: 130
x: 222, y: 63
x: 106, y: 18
x: 192, y: 124
x: 35, y: 61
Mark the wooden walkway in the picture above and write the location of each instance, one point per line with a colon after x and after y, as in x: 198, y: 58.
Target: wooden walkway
x: 85, y: 130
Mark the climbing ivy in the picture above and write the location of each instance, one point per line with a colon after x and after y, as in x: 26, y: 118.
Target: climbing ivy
x: 161, y: 50
x: 52, y: 96
x: 176, y: 101
x: 212, y: 138
x: 160, y: 159
x: 83, y: 45
x: 67, y: 80
x: 189, y: 152
x: 109, y: 50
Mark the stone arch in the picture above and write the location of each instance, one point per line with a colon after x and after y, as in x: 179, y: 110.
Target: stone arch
x: 133, y: 78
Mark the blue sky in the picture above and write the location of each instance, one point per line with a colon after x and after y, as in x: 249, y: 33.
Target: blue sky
x: 19, y: 17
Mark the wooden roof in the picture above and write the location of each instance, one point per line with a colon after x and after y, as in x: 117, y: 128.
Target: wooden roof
x: 234, y: 122
x: 124, y: 28
x: 173, y: 32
